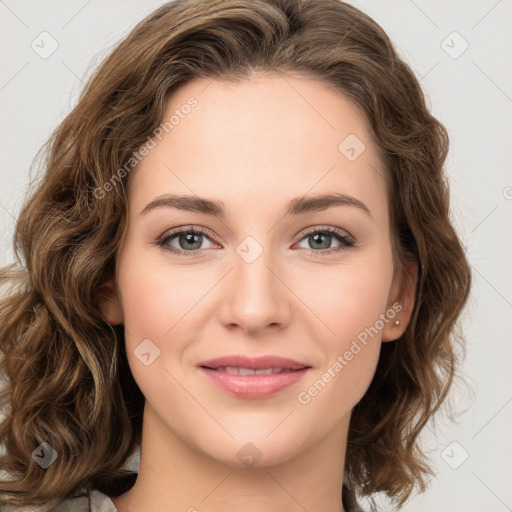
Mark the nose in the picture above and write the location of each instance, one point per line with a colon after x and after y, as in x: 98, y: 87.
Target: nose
x: 256, y: 297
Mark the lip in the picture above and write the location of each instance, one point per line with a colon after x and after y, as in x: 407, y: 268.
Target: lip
x: 256, y: 363
x: 253, y: 386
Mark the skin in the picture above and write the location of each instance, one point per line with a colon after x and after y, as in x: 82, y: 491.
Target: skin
x: 254, y: 146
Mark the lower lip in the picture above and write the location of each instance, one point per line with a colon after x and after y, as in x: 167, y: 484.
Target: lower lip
x: 253, y: 386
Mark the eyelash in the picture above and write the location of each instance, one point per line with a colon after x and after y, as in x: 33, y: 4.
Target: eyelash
x: 344, y: 238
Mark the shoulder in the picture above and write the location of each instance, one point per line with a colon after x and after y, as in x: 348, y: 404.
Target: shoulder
x: 101, y: 502
x: 82, y: 501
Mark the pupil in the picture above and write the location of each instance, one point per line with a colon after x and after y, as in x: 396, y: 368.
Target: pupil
x: 318, y: 239
x: 191, y: 238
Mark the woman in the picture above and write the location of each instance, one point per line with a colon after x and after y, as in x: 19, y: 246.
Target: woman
x: 240, y: 262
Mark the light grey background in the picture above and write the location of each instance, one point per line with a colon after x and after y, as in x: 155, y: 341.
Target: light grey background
x: 469, y: 91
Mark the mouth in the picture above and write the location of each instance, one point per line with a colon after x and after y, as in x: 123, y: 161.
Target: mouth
x: 272, y: 364
x: 234, y: 370
x: 253, y: 377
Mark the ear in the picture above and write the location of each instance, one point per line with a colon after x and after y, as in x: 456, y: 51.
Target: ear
x: 109, y: 303
x: 401, y: 301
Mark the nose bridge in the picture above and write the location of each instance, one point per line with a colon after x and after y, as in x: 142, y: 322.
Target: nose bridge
x: 251, y: 272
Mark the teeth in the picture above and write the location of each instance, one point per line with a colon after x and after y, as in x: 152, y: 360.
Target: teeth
x: 240, y: 371
x: 270, y: 371
x: 249, y: 371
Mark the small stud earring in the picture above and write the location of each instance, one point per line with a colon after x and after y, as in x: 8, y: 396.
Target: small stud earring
x: 397, y: 322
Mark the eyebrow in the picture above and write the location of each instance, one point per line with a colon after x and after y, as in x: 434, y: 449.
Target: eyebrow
x: 297, y: 206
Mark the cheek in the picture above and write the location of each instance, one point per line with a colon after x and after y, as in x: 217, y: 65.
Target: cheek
x: 339, y: 386
x: 349, y: 301
x: 350, y: 348
x: 156, y: 300
x: 348, y: 298
x: 159, y: 305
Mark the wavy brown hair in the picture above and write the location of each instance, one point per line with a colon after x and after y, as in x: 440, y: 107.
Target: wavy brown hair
x: 67, y: 380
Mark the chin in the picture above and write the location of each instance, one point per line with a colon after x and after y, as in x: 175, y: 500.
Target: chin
x: 258, y: 451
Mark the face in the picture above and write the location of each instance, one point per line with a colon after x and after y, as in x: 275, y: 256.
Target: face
x: 273, y: 276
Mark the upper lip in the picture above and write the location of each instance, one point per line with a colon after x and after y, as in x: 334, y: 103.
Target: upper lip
x: 255, y: 363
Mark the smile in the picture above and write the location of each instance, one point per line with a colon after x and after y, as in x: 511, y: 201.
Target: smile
x: 253, y: 384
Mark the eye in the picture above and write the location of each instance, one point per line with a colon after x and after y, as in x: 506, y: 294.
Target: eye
x: 189, y: 240
x: 320, y: 240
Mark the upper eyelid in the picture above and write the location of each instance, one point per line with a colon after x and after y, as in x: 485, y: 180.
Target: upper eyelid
x: 321, y: 229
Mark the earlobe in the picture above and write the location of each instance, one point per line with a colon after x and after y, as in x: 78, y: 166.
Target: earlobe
x: 401, y: 302
x: 109, y: 303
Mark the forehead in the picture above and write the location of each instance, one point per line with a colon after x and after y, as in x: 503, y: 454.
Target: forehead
x: 268, y: 136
